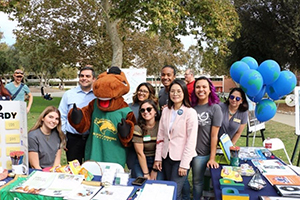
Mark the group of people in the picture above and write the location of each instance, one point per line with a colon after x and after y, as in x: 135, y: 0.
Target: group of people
x: 174, y: 133
x: 186, y: 134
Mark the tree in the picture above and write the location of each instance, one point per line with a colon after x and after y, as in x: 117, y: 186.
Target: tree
x: 195, y: 57
x: 93, y: 31
x: 270, y: 30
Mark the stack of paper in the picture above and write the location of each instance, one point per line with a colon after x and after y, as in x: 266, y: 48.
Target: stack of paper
x: 162, y: 192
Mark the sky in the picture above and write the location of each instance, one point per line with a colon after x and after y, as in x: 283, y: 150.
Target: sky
x: 7, y: 26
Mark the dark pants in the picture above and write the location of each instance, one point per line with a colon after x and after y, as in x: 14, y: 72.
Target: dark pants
x: 75, y: 146
x: 170, y: 170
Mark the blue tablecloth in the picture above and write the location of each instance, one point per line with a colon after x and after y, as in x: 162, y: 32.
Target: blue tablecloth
x: 254, y: 195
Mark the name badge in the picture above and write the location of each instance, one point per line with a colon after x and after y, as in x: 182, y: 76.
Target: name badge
x: 237, y: 120
x: 147, y: 138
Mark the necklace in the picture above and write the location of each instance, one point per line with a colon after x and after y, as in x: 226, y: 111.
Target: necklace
x: 231, y: 113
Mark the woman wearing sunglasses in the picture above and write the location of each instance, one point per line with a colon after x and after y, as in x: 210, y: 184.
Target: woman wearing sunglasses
x: 144, y: 140
x: 177, y: 135
x: 235, y: 113
x: 205, y: 102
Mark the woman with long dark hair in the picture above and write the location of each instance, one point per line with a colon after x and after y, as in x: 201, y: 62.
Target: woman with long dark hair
x: 176, y: 138
x: 144, y: 140
x: 235, y: 114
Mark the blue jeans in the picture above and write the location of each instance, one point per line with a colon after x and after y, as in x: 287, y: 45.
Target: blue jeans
x: 170, y: 169
x: 186, y: 195
x: 137, y: 170
x: 198, y: 168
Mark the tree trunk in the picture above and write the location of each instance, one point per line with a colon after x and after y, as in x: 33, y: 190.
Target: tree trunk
x: 112, y: 30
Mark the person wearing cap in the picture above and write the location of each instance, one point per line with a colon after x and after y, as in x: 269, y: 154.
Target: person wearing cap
x: 18, y: 89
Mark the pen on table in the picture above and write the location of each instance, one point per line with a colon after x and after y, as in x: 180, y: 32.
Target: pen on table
x: 133, y: 195
x: 138, y: 194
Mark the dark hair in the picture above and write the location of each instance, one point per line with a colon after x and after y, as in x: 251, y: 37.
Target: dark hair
x: 141, y: 121
x: 151, y: 92
x: 212, y: 98
x: 170, y: 66
x: 88, y: 68
x: 186, y: 100
x: 244, y: 105
x: 3, y: 91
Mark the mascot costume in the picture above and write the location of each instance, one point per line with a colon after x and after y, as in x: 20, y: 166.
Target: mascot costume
x: 108, y: 117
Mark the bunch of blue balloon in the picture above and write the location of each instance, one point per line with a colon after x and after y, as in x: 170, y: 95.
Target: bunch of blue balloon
x: 257, y: 81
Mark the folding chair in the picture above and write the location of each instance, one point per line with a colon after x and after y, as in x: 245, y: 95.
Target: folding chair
x: 274, y: 144
x: 97, y: 168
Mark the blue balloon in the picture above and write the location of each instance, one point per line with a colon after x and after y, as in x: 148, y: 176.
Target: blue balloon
x: 272, y: 94
x: 285, y: 84
x: 251, y: 62
x: 269, y: 70
x: 265, y: 110
x: 237, y: 69
x: 259, y: 96
x: 251, y: 82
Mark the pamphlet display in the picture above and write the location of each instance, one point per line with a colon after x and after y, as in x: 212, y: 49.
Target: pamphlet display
x: 13, y: 129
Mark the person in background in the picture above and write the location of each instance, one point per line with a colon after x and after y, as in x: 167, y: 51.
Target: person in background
x: 4, y: 93
x: 235, y: 114
x: 190, y: 80
x: 18, y: 89
x: 205, y: 102
x: 168, y: 75
x: 143, y: 91
x: 144, y: 140
x: 45, y: 140
x: 177, y: 136
x: 81, y: 95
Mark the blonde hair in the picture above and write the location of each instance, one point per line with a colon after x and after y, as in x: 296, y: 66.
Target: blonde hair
x: 39, y: 123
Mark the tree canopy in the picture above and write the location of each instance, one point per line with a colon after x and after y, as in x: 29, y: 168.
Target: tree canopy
x: 270, y: 30
x: 104, y: 32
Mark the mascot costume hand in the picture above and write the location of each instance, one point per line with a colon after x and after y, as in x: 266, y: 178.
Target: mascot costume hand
x: 108, y: 118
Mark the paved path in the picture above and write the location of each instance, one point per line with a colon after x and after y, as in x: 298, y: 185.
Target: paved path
x: 288, y: 119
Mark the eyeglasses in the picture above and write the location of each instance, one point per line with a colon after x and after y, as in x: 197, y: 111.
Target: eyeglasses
x: 82, y: 76
x: 176, y: 92
x: 19, y: 76
x: 236, y: 98
x: 147, y: 109
x: 143, y: 91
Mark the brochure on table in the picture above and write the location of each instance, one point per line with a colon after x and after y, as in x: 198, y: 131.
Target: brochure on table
x: 13, y: 129
x: 276, y: 172
x: 49, y: 184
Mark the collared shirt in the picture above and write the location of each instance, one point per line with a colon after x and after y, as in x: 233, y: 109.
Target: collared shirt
x: 75, y: 95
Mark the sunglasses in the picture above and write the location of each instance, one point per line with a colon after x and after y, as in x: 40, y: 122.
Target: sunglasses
x: 19, y: 76
x: 236, y: 98
x: 144, y: 110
